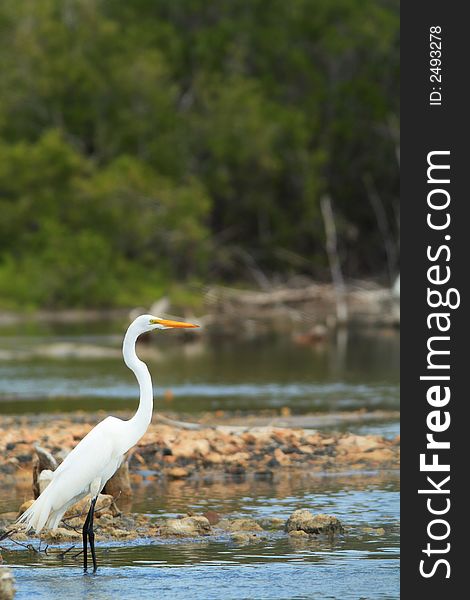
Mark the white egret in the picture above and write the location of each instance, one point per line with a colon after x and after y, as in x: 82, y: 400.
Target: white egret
x: 100, y: 453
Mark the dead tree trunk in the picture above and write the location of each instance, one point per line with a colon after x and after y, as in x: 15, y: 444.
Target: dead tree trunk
x: 333, y: 258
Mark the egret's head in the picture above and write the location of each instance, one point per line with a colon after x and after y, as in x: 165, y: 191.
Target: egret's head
x: 146, y: 323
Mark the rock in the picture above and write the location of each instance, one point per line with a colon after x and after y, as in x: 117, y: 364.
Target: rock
x: 244, y: 538
x: 272, y: 523
x: 7, y: 584
x: 8, y: 516
x: 379, y: 531
x: 235, y: 469
x: 104, y: 504
x: 76, y: 522
x: 374, y: 530
x: 212, y: 516
x: 298, y: 533
x: 42, y: 461
x: 61, y: 533
x: 197, y: 525
x: 264, y: 474
x: 243, y: 524
x: 304, y: 520
x: 177, y: 473
x: 380, y: 455
x: 187, y: 448
x: 240, y: 458
x: 361, y: 443
x: 24, y: 507
x: 306, y: 449
x: 120, y: 484
x: 120, y: 533
x: 281, y: 458
x: 215, y: 458
x: 104, y: 519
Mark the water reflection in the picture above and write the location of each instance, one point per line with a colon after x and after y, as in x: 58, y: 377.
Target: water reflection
x: 360, y: 370
x: 360, y: 563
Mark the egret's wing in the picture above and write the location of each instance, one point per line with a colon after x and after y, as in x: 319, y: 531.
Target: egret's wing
x: 89, y: 465
x: 89, y: 461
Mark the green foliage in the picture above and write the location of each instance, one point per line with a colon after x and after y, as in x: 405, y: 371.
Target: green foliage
x: 148, y: 144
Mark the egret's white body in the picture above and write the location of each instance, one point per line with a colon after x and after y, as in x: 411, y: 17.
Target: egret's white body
x: 100, y: 453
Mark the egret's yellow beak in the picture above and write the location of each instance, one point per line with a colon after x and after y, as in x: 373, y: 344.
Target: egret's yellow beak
x: 172, y: 324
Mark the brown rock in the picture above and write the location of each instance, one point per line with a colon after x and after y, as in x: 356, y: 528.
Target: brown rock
x: 304, y: 520
x: 20, y: 536
x: 43, y: 460
x: 298, y: 533
x: 379, y: 455
x: 24, y: 507
x: 186, y: 526
x: 104, y: 519
x: 243, y: 524
x: 186, y: 448
x: 282, y: 459
x: 361, y: 443
x: 306, y: 449
x: 212, y: 516
x: 245, y: 538
x: 177, y: 473
x: 215, y: 458
x: 61, y: 533
x: 322, y: 442
x: 272, y: 523
x: 120, y: 484
x: 104, y: 504
x: 8, y: 516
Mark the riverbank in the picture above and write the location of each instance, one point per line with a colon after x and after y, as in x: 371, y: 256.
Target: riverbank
x: 302, y: 305
x: 214, y: 517
x: 178, y: 450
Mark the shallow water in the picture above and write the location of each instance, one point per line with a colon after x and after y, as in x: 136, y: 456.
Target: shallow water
x: 353, y: 371
x: 356, y: 370
x: 358, y: 564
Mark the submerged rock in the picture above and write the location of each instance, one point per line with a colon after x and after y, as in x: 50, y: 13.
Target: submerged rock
x: 178, y: 473
x: 212, y: 516
x: 245, y: 538
x: 298, y: 533
x: 274, y: 523
x: 7, y: 584
x: 304, y: 520
x: 374, y: 530
x: 196, y: 525
x: 104, y: 504
x: 61, y: 534
x: 44, y: 464
x: 120, y: 484
x: 243, y: 524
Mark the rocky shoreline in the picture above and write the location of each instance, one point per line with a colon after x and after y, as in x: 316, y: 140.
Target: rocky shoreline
x: 112, y: 525
x: 177, y: 450
x: 184, y: 452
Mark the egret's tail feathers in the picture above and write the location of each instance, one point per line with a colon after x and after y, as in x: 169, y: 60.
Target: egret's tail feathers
x: 36, y: 516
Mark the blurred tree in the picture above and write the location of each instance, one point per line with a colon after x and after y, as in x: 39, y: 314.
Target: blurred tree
x: 148, y: 141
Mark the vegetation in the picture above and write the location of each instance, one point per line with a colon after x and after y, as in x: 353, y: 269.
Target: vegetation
x: 151, y: 142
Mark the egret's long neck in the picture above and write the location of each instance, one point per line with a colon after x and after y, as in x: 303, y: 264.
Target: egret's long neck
x: 141, y: 420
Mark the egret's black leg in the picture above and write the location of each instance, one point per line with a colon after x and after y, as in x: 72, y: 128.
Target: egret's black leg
x: 84, y: 535
x: 91, y: 534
